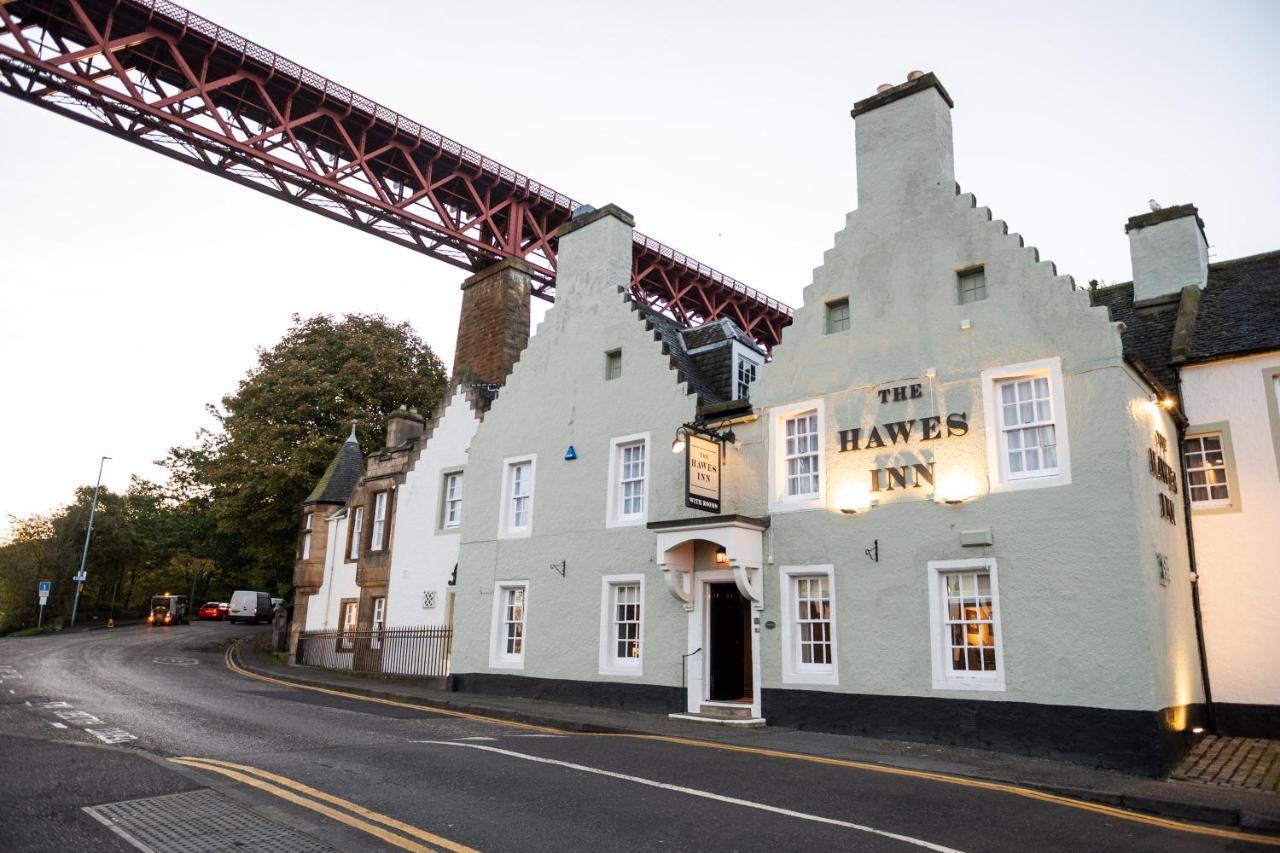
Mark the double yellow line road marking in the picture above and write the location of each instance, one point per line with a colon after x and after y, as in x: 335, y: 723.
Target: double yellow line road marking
x: 1002, y: 787
x: 405, y: 836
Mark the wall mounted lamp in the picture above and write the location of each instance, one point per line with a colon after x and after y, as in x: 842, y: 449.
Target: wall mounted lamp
x: 955, y: 489
x: 722, y: 556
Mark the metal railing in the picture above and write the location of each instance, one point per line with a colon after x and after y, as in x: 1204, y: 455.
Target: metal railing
x: 389, y: 651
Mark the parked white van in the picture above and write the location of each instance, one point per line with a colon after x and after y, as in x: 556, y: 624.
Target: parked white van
x: 249, y: 606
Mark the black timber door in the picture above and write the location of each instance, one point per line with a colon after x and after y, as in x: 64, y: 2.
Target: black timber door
x: 730, y: 641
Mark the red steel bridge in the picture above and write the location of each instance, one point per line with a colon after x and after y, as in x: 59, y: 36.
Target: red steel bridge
x: 159, y: 76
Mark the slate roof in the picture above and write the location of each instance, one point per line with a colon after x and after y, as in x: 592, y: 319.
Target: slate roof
x: 1238, y: 313
x: 701, y: 355
x: 339, y: 479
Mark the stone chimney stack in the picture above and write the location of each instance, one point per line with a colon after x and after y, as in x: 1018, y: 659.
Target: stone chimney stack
x: 1168, y: 250
x: 493, y: 326
x: 903, y: 143
x: 402, y: 425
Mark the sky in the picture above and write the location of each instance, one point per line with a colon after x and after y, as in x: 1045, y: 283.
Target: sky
x: 136, y: 289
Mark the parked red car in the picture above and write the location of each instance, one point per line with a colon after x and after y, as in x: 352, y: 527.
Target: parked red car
x: 214, y: 610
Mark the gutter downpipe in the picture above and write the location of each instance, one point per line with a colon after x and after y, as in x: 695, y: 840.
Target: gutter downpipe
x: 1181, y: 421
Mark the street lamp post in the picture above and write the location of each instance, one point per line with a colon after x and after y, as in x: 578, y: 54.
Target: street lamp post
x: 84, y: 554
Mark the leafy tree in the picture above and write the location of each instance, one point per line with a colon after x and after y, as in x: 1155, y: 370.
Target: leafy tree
x: 286, y: 420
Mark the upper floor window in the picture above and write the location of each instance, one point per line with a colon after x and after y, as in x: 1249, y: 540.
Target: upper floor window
x: 744, y: 375
x: 357, y: 531
x: 802, y: 455
x: 306, y: 535
x: 838, y: 315
x: 453, y: 499
x: 628, y: 480
x: 516, y: 518
x: 1028, y: 438
x: 613, y: 364
x: 378, y: 535
x: 797, y: 456
x: 1207, y: 470
x: 631, y: 479
x: 1026, y: 426
x: 971, y: 284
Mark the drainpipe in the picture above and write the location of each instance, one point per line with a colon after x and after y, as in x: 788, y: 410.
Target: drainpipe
x: 1181, y: 421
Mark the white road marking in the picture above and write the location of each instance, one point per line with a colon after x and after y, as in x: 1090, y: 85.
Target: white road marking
x: 57, y: 705
x: 58, y: 725
x: 532, y: 736
x: 112, y: 735
x: 477, y: 738
x: 79, y: 718
x: 11, y: 690
x: 694, y: 792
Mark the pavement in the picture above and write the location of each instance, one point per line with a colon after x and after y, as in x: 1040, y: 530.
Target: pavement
x: 1181, y: 799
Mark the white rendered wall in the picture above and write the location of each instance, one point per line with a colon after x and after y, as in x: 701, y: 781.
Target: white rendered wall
x: 1238, y: 548
x: 425, y: 553
x: 339, y: 579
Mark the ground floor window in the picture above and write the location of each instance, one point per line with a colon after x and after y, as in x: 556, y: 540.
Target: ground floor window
x: 621, y: 625
x: 379, y: 618
x: 348, y: 615
x: 965, y: 619
x: 510, y: 610
x: 809, y: 634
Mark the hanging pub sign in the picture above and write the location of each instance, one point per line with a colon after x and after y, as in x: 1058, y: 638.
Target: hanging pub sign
x: 702, y: 474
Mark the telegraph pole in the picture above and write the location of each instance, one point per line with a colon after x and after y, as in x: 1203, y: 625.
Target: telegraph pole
x: 84, y: 554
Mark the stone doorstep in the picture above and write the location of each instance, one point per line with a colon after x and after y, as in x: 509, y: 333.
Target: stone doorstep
x: 743, y: 722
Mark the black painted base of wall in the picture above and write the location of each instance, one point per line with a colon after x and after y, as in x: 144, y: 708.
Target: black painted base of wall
x: 1236, y: 720
x: 649, y: 698
x: 1144, y: 742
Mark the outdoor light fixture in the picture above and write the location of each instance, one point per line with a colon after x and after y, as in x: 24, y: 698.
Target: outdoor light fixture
x: 677, y: 446
x: 722, y: 556
x: 854, y: 500
x: 955, y: 489
x: 1167, y: 403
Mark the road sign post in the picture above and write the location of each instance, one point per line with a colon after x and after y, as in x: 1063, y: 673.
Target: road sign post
x: 88, y: 534
x: 42, y: 590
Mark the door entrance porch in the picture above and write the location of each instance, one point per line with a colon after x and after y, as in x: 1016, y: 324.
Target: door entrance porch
x: 712, y: 567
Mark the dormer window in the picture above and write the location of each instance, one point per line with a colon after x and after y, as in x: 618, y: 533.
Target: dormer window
x: 744, y: 373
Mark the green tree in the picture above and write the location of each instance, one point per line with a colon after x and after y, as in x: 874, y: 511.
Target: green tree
x: 287, y: 418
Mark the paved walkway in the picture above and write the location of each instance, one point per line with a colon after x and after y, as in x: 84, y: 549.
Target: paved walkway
x: 1248, y: 809
x: 1251, y: 764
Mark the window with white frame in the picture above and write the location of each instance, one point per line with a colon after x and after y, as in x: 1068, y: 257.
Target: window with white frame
x: 379, y: 618
x: 1207, y: 470
x: 453, y: 499
x: 808, y: 625
x: 379, y: 521
x: 813, y: 621
x: 627, y: 501
x: 621, y: 624
x: 965, y: 619
x: 515, y: 511
x: 797, y: 456
x: 349, y: 614
x: 801, y: 453
x: 509, y: 614
x: 306, y: 535
x: 744, y: 375
x: 1028, y: 438
x: 1026, y: 426
x: 357, y: 531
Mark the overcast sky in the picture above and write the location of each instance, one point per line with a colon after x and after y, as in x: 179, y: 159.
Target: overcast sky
x: 136, y: 288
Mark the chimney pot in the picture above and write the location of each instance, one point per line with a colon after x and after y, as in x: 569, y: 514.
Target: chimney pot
x: 883, y: 87
x: 914, y: 75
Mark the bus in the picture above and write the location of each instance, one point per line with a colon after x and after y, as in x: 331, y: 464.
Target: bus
x: 168, y: 609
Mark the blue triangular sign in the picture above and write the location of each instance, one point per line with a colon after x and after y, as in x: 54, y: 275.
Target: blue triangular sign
x: 570, y: 454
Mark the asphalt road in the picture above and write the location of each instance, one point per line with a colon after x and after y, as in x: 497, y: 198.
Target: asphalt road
x: 98, y: 718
